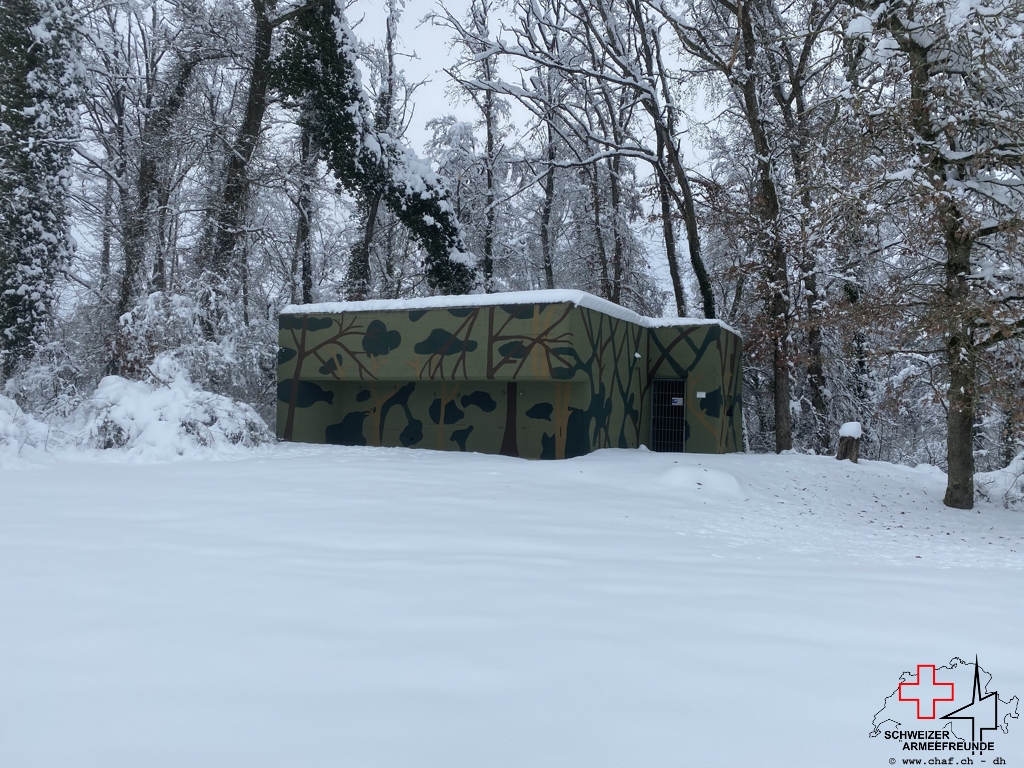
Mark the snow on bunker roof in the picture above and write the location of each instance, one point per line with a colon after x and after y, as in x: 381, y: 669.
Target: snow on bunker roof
x: 558, y: 296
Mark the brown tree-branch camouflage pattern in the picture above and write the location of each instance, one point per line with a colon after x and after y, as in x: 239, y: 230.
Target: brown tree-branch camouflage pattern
x: 545, y: 381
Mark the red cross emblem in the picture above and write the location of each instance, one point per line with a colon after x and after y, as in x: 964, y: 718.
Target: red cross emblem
x: 926, y: 691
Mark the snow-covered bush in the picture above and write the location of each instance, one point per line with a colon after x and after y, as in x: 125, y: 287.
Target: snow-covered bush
x: 18, y: 430
x: 239, y: 363
x: 1003, y: 486
x: 166, y: 415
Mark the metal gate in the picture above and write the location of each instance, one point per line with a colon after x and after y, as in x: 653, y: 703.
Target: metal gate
x: 668, y: 412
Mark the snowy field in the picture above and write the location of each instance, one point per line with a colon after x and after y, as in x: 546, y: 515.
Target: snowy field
x: 318, y: 606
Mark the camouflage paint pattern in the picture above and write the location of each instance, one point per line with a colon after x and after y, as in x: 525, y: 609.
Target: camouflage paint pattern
x: 531, y: 380
x: 709, y: 357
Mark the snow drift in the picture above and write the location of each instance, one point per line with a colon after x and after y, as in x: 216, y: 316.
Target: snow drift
x: 324, y: 605
x: 1003, y: 486
x: 18, y: 431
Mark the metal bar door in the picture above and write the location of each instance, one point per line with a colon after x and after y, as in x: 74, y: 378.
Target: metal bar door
x: 668, y: 415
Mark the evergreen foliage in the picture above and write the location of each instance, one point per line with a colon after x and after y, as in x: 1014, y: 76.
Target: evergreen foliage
x: 317, y: 72
x: 38, y: 92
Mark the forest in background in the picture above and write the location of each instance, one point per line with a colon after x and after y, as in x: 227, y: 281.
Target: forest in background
x: 840, y: 181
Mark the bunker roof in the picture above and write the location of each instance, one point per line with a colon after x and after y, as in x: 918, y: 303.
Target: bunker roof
x: 558, y: 296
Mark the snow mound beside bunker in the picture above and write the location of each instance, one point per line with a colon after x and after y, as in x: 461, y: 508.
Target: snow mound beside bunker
x: 166, y: 416
x: 713, y: 482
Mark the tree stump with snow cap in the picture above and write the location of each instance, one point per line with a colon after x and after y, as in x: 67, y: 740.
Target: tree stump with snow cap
x: 849, y: 441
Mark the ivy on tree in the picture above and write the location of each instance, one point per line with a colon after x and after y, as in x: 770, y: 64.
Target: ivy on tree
x: 317, y: 73
x: 38, y: 92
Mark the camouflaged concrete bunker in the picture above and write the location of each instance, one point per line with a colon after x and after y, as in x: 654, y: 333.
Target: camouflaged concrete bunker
x: 540, y: 374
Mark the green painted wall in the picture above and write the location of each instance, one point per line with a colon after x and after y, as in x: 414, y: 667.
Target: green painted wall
x: 710, y: 359
x: 537, y: 381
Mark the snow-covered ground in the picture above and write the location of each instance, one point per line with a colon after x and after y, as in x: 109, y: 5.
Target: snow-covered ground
x: 320, y: 606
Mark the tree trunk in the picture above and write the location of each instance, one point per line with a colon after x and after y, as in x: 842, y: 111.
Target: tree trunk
x: 107, y: 233
x: 487, y: 263
x: 158, y: 280
x: 244, y: 280
x: 707, y: 291
x: 773, y: 248
x: 779, y: 308
x: 664, y: 121
x: 821, y: 439
x: 793, y: 110
x: 359, y: 266
x: 849, y: 448
x: 155, y: 133
x: 960, y: 357
x: 668, y: 229
x: 960, y: 352
x: 303, y: 259
x: 616, y: 200
x: 228, y: 220
x: 959, y: 431
x: 545, y: 213
x: 602, y: 253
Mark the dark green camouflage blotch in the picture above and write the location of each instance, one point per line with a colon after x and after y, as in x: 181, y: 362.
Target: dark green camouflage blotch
x: 452, y: 413
x: 349, y: 431
x: 711, y: 403
x: 513, y: 349
x: 481, y: 400
x: 442, y: 342
x: 379, y: 341
x: 307, y: 394
x: 460, y: 436
x: 541, y: 411
x: 520, y: 311
x: 313, y: 324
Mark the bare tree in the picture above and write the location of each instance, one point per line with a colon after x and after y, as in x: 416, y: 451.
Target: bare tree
x: 954, y: 134
x: 604, y: 45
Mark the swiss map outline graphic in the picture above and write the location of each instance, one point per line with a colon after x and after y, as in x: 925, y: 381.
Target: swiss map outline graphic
x: 1007, y: 709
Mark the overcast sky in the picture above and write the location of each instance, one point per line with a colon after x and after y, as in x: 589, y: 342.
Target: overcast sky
x: 432, y: 47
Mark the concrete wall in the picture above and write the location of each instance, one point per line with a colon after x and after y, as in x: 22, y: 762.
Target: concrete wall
x: 710, y: 358
x: 537, y: 381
